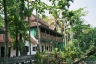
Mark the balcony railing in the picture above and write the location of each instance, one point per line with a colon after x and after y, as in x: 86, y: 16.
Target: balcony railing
x: 50, y: 37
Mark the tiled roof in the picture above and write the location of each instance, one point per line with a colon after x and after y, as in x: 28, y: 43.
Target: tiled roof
x: 2, y: 36
x: 32, y: 24
x: 40, y: 22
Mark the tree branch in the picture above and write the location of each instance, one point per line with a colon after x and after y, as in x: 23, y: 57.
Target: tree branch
x: 90, y: 52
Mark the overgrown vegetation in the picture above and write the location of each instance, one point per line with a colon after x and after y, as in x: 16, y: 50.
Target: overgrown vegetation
x: 79, y: 38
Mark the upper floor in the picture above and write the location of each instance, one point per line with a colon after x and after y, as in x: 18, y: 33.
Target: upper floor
x: 46, y: 34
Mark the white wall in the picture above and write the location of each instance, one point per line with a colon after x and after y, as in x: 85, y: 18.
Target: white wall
x: 13, y: 52
x: 27, y: 44
x: 32, y: 52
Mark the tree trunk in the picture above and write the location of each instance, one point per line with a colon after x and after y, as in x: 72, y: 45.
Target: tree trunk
x: 6, y: 32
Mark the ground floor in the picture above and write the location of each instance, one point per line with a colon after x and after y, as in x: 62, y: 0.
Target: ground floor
x: 44, y: 44
x: 12, y: 50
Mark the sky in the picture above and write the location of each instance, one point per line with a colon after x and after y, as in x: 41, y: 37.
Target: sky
x: 90, y: 18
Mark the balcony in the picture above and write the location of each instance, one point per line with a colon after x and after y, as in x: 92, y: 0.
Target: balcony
x: 50, y: 37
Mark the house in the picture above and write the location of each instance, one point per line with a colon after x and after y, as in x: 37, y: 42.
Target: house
x: 45, y: 36
x: 48, y: 37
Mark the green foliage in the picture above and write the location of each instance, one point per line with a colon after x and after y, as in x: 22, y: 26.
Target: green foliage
x: 17, y: 25
x: 41, y: 58
x: 84, y: 35
x: 91, y: 58
x: 1, y: 22
x: 20, y: 46
x: 71, y: 51
x: 1, y: 13
x: 16, y: 11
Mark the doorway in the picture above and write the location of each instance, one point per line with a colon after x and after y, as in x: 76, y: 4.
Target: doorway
x: 2, y: 51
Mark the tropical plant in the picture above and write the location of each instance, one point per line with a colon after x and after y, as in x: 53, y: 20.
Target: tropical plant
x: 1, y: 21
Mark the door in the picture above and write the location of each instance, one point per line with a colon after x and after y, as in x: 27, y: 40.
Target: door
x: 2, y: 51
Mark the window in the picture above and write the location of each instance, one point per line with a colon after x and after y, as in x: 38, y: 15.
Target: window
x: 9, y: 51
x: 27, y: 48
x: 34, y: 48
x: 42, y: 30
x: 2, y: 51
x: 47, y: 47
x: 42, y: 48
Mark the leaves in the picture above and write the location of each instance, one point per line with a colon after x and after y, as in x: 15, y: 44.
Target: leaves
x: 17, y: 25
x: 1, y: 22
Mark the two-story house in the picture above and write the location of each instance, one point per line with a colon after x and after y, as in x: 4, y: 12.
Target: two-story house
x: 47, y: 36
x: 44, y: 35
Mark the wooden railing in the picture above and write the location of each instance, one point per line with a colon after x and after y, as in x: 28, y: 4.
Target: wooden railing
x: 50, y: 37
x: 18, y: 59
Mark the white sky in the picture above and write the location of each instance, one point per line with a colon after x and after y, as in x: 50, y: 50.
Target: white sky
x: 91, y: 8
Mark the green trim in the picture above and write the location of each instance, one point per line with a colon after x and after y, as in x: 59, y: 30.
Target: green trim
x: 33, y: 31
